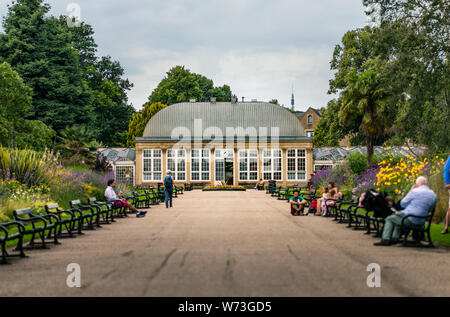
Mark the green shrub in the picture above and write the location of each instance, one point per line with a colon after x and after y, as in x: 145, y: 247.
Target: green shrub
x: 339, y: 175
x: 26, y: 166
x: 436, y: 183
x: 347, y: 194
x: 357, y: 163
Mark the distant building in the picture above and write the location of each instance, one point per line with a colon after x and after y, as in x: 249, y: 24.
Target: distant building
x: 309, y: 120
x: 170, y: 142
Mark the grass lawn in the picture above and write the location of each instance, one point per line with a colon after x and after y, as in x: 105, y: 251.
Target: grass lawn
x: 437, y: 237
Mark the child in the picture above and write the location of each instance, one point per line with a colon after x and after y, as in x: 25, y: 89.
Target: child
x: 321, y: 201
x: 331, y: 195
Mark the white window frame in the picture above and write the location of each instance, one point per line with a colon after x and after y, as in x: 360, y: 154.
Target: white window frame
x: 120, y: 179
x: 326, y: 165
x: 177, y: 158
x: 247, y: 171
x: 219, y: 157
x: 297, y: 170
x: 152, y: 158
x: 201, y: 171
x: 272, y: 170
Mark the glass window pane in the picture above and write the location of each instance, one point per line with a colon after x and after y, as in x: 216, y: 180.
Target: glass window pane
x: 157, y: 166
x: 277, y: 164
x: 291, y: 165
x: 205, y: 165
x: 195, y: 165
x: 147, y: 153
x: 171, y: 164
x: 254, y: 165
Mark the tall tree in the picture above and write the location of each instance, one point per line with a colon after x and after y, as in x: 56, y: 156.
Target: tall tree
x: 420, y: 63
x: 181, y: 85
x: 367, y: 102
x: 329, y: 130
x: 15, y: 105
x: 105, y: 78
x: 41, y: 51
x: 140, y: 120
x: 367, y: 98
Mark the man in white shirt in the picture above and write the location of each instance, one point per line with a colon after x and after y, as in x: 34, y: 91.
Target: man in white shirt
x: 417, y: 203
x: 117, y: 201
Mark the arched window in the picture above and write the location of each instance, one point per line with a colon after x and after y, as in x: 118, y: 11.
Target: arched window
x: 310, y: 119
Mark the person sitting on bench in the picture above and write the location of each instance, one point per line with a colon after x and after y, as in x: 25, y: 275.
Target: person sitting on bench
x: 260, y: 185
x: 297, y: 204
x: 417, y: 203
x: 119, y: 201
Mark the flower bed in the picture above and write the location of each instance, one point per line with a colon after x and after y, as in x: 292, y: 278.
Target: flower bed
x: 224, y: 188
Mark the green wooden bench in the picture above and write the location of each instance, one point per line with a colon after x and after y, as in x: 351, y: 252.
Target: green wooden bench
x: 419, y: 233
x: 103, y: 210
x: 41, y: 227
x: 6, y: 234
x: 67, y: 219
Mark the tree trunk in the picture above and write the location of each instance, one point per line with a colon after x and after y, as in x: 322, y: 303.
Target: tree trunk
x: 370, y: 142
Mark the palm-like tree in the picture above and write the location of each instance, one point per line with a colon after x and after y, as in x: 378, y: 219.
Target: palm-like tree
x: 367, y: 101
x: 75, y: 142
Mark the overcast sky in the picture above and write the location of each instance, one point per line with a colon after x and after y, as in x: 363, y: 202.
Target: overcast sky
x: 258, y: 47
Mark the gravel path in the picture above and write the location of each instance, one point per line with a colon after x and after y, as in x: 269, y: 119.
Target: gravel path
x: 227, y: 244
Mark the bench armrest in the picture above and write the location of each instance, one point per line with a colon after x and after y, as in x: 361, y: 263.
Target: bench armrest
x: 412, y: 216
x: 49, y: 217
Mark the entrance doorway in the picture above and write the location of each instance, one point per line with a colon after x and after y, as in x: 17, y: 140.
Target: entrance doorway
x: 224, y: 166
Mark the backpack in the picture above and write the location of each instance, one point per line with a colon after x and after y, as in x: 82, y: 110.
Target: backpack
x: 377, y: 203
x: 168, y: 182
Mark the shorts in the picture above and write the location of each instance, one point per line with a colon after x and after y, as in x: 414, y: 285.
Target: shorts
x: 120, y: 203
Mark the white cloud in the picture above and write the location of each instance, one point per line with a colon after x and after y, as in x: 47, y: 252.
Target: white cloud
x: 259, y: 47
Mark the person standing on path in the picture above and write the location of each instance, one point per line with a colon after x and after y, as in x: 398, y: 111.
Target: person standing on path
x: 168, y: 189
x: 447, y: 185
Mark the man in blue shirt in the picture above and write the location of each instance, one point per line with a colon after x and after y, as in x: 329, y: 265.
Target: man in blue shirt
x: 447, y: 185
x: 418, y: 202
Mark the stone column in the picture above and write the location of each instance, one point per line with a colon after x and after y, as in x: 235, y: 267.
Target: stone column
x: 260, y: 164
x: 309, y: 163
x: 284, y: 166
x: 164, y: 163
x: 188, y: 165
x: 138, y: 167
